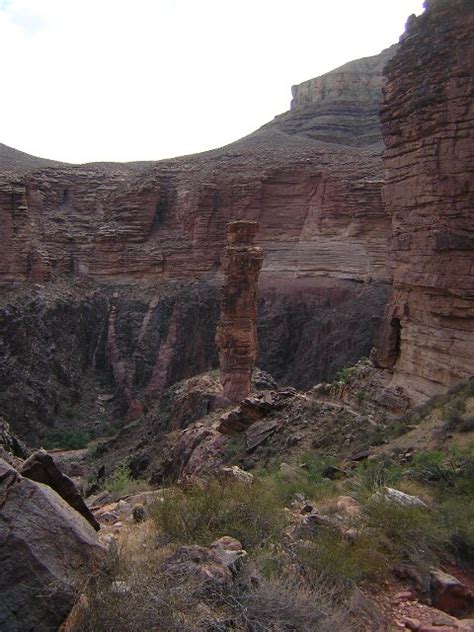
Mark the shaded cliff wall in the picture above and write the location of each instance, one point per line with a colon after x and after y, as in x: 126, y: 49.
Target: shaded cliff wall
x: 428, y: 124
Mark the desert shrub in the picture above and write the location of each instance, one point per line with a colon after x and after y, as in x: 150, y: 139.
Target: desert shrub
x: 135, y: 593
x: 371, y: 476
x: 429, y: 466
x: 345, y: 374
x: 121, y: 483
x: 131, y: 594
x: 234, y: 445
x: 66, y: 439
x: 250, y: 513
x: 286, y: 603
x: 447, y: 472
x: 458, y: 518
x: 407, y: 534
x: 341, y: 563
x: 313, y: 406
x: 303, y: 475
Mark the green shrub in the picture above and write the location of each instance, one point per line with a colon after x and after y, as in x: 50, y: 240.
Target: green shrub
x: 250, y: 513
x: 234, y: 445
x: 303, y: 475
x: 66, y: 439
x: 121, y: 483
x: 345, y: 374
x: 408, y: 534
x: 458, y: 517
x: 371, y: 476
x: 339, y: 562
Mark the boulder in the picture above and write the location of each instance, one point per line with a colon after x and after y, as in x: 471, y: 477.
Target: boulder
x: 254, y: 409
x: 47, y: 549
x: 200, y: 564
x: 450, y: 594
x: 234, y: 474
x: 400, y: 498
x: 229, y: 551
x: 40, y: 467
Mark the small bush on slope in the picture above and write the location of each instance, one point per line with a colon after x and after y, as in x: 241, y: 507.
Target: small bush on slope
x: 250, y: 513
x: 121, y: 483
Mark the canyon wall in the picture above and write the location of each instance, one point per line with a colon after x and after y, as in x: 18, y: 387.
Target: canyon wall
x: 151, y: 231
x: 427, y: 122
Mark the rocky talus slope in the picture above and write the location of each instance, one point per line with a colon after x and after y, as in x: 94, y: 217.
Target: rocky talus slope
x: 146, y: 231
x: 428, y: 124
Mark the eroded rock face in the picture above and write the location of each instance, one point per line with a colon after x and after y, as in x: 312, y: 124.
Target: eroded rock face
x: 318, y: 203
x: 427, y: 120
x: 236, y: 335
x: 147, y: 230
x: 343, y: 104
x: 46, y: 550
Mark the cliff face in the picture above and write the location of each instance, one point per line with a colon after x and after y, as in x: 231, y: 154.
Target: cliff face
x: 323, y: 285
x: 341, y: 106
x: 316, y: 195
x: 427, y: 120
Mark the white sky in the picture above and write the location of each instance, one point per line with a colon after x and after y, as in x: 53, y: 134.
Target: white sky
x: 89, y: 80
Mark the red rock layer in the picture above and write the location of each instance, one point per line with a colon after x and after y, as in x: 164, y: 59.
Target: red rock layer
x: 427, y: 119
x: 312, y: 178
x: 236, y: 335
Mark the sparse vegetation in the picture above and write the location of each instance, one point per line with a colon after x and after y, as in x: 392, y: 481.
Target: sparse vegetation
x: 250, y: 513
x: 66, y: 439
x: 121, y: 483
x: 345, y: 374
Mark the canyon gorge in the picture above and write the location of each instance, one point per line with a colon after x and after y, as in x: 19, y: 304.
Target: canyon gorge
x: 103, y: 267
x: 253, y: 368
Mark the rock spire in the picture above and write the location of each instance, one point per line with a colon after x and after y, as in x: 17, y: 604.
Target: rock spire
x: 236, y: 336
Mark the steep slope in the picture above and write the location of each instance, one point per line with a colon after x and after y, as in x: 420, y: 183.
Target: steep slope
x: 18, y: 161
x: 428, y: 124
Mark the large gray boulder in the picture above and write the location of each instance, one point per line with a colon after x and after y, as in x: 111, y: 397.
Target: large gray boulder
x: 42, y: 468
x: 47, y: 549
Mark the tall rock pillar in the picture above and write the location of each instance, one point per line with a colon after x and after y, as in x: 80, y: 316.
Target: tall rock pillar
x: 236, y: 335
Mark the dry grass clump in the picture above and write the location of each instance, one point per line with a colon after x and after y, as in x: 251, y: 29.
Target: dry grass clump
x: 287, y: 604
x: 137, y: 590
x: 251, y: 513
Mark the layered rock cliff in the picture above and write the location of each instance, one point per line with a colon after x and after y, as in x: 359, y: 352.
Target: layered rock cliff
x: 323, y: 228
x: 428, y: 124
x: 341, y: 106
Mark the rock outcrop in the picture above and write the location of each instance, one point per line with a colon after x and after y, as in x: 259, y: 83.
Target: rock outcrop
x: 47, y: 550
x: 236, y: 335
x: 340, y: 106
x: 428, y: 123
x: 41, y: 467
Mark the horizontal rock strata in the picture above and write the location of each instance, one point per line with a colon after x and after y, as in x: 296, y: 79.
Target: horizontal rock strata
x: 428, y: 118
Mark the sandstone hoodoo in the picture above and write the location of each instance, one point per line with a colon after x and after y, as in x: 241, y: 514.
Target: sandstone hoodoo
x: 236, y: 335
x: 427, y: 124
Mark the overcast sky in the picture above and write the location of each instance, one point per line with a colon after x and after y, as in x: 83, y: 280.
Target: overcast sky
x: 89, y: 80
